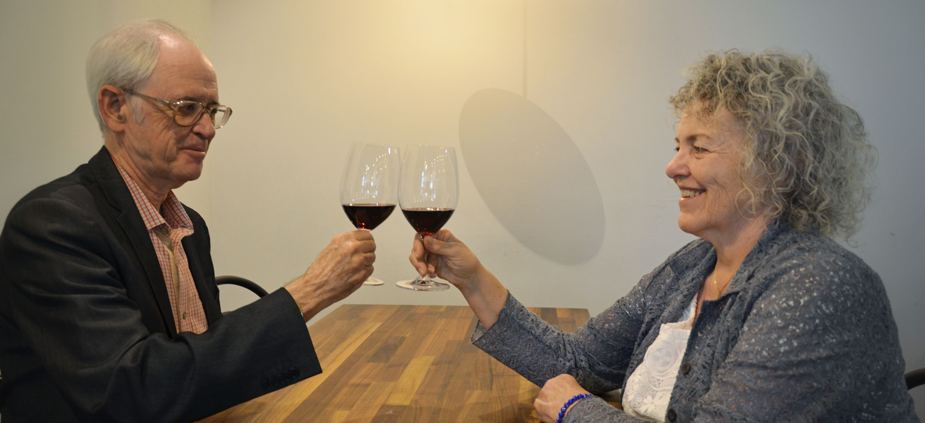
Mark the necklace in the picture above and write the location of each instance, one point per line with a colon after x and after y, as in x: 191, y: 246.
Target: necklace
x: 718, y: 292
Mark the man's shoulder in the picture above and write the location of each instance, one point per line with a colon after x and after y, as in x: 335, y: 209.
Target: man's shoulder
x: 67, y: 186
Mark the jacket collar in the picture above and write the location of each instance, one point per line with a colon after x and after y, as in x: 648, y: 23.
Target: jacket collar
x: 133, y: 227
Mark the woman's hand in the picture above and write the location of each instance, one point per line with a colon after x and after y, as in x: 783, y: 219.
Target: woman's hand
x: 555, y: 393
x: 447, y: 257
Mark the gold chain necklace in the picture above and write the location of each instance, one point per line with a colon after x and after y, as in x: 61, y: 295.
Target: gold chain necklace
x: 718, y: 292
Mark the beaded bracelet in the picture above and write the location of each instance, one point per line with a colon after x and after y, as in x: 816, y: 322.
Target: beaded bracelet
x: 569, y: 403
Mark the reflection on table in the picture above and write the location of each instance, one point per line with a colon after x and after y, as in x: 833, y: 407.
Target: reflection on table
x: 388, y: 363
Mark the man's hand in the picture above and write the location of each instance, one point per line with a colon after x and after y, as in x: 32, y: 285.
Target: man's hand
x: 555, y: 393
x: 337, y: 272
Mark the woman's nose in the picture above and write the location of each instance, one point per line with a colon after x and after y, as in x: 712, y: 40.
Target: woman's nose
x: 677, y: 167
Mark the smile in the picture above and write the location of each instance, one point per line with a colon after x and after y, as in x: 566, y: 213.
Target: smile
x: 689, y: 193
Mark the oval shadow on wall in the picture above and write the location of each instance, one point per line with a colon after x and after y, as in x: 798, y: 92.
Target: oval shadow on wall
x: 532, y: 176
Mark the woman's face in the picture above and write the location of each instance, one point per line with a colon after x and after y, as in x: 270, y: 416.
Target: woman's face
x: 707, y: 169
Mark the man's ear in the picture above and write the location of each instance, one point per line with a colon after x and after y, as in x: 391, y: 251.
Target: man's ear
x: 113, y: 108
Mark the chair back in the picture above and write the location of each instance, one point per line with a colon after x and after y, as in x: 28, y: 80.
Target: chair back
x: 239, y: 281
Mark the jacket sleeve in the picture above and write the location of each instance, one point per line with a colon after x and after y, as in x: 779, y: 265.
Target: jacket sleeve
x: 69, y: 299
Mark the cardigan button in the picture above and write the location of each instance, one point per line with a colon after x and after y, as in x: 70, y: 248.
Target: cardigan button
x: 686, y: 368
x: 671, y: 415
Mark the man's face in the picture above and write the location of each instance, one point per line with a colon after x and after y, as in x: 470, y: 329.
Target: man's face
x: 163, y: 154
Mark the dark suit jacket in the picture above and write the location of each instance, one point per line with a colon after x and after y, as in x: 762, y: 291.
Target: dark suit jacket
x: 86, y: 330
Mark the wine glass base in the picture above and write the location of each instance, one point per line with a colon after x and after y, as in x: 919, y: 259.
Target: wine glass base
x: 373, y: 282
x: 422, y: 285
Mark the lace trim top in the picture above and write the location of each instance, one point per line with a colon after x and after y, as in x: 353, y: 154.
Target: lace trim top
x: 648, y: 389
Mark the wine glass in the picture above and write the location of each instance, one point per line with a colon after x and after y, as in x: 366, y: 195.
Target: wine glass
x: 369, y: 189
x: 428, y: 195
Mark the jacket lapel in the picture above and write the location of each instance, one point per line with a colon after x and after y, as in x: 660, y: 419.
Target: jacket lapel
x: 133, y: 227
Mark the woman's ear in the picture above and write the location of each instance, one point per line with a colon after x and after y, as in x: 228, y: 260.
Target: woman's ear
x: 113, y: 108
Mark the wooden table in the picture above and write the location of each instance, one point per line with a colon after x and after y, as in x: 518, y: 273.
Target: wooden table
x: 388, y: 363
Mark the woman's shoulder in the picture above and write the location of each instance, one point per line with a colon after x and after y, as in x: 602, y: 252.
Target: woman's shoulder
x: 815, y: 269
x: 815, y: 254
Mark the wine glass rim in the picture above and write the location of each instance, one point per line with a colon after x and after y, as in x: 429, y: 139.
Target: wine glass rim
x: 375, y: 144
x: 432, y: 146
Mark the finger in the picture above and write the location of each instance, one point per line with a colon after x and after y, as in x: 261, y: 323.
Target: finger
x: 444, y: 235
x: 434, y: 245
x: 432, y: 260
x: 355, y: 284
x: 417, y: 263
x: 427, y: 257
x: 362, y: 235
x: 417, y: 247
x: 365, y: 246
x: 418, y: 255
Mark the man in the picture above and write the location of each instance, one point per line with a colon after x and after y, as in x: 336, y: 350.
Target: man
x: 108, y: 305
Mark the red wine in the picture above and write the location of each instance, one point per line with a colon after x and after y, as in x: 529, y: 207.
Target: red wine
x: 368, y: 216
x: 427, y: 221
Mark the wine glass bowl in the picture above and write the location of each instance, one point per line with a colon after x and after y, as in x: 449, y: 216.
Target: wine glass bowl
x: 368, y: 216
x: 369, y: 188
x: 428, y: 194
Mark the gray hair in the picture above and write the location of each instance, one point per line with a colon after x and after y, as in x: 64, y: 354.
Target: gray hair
x: 126, y: 57
x: 808, y: 159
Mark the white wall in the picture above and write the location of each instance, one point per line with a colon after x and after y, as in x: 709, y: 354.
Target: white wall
x: 46, y: 124
x: 307, y: 78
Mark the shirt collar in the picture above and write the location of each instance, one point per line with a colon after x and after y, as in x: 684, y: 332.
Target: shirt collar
x: 174, y: 216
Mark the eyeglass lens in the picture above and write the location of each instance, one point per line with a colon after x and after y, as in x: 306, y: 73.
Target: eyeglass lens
x: 189, y: 112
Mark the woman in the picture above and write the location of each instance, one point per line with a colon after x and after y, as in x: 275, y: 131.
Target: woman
x: 765, y: 317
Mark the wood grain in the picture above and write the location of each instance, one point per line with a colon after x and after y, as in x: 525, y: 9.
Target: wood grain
x: 400, y: 363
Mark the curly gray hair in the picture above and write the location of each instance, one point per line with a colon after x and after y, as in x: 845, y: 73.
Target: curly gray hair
x: 808, y: 159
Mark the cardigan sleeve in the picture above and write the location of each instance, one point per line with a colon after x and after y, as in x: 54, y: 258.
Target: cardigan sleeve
x: 597, y: 354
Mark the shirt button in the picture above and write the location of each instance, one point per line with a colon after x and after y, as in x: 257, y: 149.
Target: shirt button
x: 184, y: 315
x: 686, y: 368
x: 671, y: 415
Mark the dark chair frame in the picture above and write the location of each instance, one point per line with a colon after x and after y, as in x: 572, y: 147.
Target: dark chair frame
x: 239, y: 281
x: 915, y: 378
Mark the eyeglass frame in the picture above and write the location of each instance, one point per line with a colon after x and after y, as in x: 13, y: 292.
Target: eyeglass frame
x: 202, y: 109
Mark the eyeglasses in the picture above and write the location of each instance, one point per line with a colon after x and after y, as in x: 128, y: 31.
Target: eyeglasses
x: 188, y: 112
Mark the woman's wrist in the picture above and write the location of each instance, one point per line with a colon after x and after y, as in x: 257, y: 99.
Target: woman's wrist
x: 485, y: 295
x: 568, y: 404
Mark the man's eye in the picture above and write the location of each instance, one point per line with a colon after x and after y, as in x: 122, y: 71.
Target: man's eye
x: 699, y: 149
x: 188, y: 108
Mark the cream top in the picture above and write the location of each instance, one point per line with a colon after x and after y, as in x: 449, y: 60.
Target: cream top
x: 648, y: 390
